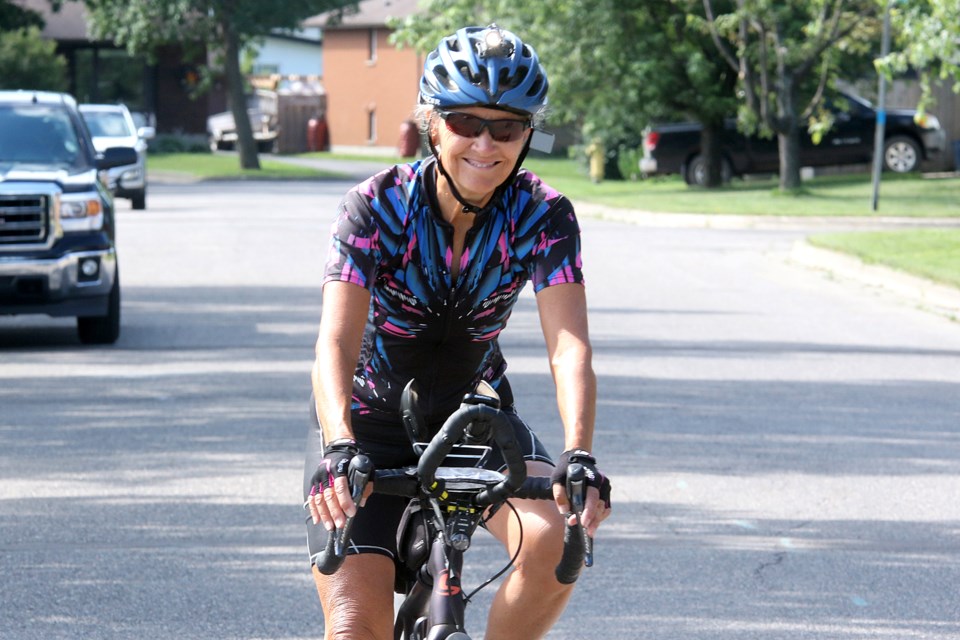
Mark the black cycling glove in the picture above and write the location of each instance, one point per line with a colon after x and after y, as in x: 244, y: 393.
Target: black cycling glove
x: 594, y: 477
x: 335, y: 463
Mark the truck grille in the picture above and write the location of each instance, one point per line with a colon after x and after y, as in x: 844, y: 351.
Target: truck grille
x: 24, y: 219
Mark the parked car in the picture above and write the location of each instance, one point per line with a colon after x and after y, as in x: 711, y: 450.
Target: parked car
x: 263, y: 112
x: 908, y: 139
x: 57, y: 230
x: 112, y: 125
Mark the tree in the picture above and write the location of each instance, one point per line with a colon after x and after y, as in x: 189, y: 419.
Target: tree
x: 786, y: 54
x: 614, y: 65
x: 27, y: 61
x: 14, y: 17
x: 226, y: 26
x: 928, y: 40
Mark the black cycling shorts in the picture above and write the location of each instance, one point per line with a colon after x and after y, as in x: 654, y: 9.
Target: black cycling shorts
x: 388, y: 446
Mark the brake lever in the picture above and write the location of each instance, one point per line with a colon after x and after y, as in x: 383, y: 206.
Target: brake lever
x: 576, y: 493
x: 358, y: 474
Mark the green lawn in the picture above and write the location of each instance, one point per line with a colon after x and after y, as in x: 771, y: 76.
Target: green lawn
x: 848, y: 195
x: 208, y: 166
x: 930, y: 253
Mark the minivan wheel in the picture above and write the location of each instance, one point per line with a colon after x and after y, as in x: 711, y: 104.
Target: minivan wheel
x: 102, y: 329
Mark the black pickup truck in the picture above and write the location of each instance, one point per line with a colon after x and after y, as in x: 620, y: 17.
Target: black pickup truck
x: 675, y: 148
x: 57, y: 227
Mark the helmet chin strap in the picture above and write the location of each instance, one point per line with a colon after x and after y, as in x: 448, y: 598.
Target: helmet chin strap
x: 467, y: 206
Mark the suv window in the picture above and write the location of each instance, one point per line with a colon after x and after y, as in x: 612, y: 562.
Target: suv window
x: 107, y: 124
x: 39, y: 134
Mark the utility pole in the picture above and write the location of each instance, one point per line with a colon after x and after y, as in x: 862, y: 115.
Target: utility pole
x: 881, y: 111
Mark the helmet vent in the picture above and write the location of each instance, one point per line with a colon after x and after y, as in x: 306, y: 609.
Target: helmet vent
x: 445, y: 78
x: 537, y: 86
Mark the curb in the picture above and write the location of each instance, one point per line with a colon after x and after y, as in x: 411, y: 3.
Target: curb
x: 925, y: 294
x: 734, y: 221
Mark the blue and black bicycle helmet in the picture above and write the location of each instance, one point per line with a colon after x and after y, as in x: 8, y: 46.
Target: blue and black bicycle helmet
x: 484, y: 66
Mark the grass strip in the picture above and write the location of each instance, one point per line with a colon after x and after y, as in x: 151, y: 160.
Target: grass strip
x: 929, y: 253
x: 209, y: 166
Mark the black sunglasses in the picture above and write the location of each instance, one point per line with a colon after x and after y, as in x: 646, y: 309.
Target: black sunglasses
x: 468, y: 126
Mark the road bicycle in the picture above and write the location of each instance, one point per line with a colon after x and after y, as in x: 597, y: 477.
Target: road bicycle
x: 450, y: 496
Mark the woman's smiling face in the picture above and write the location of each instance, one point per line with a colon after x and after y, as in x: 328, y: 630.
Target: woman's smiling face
x: 477, y: 165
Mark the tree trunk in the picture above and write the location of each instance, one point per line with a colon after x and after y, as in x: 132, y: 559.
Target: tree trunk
x: 788, y: 144
x: 246, y: 145
x: 710, y: 149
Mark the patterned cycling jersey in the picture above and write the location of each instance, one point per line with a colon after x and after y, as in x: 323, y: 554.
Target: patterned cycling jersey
x: 389, y: 238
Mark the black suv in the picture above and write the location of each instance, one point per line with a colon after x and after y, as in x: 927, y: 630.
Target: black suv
x: 57, y: 229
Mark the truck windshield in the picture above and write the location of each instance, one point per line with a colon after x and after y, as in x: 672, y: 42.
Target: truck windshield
x: 38, y: 135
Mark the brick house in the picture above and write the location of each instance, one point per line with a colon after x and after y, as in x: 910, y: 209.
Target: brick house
x: 371, y: 85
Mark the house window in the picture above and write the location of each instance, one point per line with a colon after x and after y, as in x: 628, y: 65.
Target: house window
x: 372, y: 46
x: 372, y: 126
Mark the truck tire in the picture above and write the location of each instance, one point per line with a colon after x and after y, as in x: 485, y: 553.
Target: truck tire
x: 901, y: 154
x: 139, y: 200
x: 102, y: 329
x: 695, y: 173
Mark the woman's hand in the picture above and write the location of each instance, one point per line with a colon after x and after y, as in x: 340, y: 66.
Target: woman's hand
x: 330, y: 500
x: 597, y: 505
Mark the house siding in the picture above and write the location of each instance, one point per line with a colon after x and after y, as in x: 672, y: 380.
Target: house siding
x: 357, y: 86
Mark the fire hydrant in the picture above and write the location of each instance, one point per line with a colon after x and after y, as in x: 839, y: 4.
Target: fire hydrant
x: 596, y: 155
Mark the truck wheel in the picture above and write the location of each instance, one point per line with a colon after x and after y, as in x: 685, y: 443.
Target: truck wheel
x: 103, y: 329
x: 901, y: 154
x: 695, y: 174
x: 139, y: 200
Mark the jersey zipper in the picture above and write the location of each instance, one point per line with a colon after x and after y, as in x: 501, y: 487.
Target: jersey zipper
x: 449, y: 304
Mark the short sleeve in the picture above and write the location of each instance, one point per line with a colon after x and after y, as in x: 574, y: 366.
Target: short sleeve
x: 353, y: 253
x: 556, y: 254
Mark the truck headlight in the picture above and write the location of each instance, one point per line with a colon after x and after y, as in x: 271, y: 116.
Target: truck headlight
x: 927, y: 121
x: 81, y: 212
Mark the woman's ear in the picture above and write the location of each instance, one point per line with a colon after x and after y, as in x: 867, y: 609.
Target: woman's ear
x: 434, y: 133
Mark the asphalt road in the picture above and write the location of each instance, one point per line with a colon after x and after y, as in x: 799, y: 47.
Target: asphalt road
x: 785, y: 447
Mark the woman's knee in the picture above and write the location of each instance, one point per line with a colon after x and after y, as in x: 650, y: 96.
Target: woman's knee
x: 357, y: 600
x: 541, y: 548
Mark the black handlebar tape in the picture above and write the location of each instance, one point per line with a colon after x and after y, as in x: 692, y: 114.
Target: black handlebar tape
x: 452, y: 431
x: 334, y: 553
x: 397, y: 482
x: 442, y: 443
x: 536, y: 488
x: 506, y: 440
x: 574, y: 541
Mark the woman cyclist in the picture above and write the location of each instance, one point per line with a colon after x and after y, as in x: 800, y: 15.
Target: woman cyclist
x: 425, y: 264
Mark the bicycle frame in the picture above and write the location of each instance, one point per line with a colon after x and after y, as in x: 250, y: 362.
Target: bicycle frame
x: 434, y: 606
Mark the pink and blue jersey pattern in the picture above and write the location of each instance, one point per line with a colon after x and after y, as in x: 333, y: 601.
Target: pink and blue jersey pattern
x: 390, y: 239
